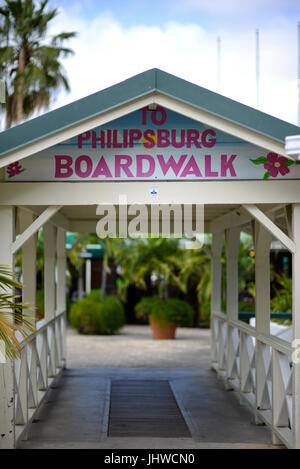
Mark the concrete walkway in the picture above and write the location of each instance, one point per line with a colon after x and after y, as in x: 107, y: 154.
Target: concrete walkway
x: 77, y: 412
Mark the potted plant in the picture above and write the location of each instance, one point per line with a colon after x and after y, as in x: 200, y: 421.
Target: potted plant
x: 165, y: 315
x: 154, y: 264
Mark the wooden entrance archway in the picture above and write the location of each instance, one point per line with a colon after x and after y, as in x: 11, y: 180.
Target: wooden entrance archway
x: 250, y: 360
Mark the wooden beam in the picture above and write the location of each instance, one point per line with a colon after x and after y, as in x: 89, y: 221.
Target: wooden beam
x: 288, y: 220
x: 34, y: 227
x: 83, y: 226
x: 170, y: 192
x: 237, y: 217
x: 58, y: 220
x: 270, y: 226
x: 78, y: 241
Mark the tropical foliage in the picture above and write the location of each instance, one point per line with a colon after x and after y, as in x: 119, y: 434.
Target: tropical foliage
x: 12, y: 317
x: 146, y: 261
x: 282, y: 298
x: 195, y: 274
x: 29, y: 62
x: 115, y: 251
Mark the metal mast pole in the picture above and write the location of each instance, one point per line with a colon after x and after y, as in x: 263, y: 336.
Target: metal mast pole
x: 257, y: 67
x: 219, y: 62
x: 298, y: 72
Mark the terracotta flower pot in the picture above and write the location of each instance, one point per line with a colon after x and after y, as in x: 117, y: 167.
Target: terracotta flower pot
x: 162, y: 329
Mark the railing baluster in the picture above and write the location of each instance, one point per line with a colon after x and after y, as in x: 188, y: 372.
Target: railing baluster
x: 22, y: 395
x: 52, y: 354
x: 263, y: 363
x: 246, y: 359
x: 43, y: 383
x: 64, y: 337
x: 259, y: 367
x: 32, y: 377
x: 58, y: 344
x: 214, y: 340
x: 41, y: 362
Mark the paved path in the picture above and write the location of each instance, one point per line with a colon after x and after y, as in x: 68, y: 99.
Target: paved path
x: 134, y: 346
x: 77, y: 412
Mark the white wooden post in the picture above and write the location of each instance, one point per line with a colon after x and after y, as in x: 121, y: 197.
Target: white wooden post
x: 49, y: 269
x: 7, y: 398
x: 296, y: 323
x: 88, y: 275
x: 262, y: 241
x: 28, y: 296
x: 216, y: 272
x: 61, y: 271
x: 216, y: 286
x: 232, y: 272
x: 232, y: 236
x: 28, y: 263
x: 61, y: 294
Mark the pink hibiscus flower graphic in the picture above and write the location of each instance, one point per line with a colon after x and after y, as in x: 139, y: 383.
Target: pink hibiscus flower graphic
x: 274, y: 164
x: 14, y: 169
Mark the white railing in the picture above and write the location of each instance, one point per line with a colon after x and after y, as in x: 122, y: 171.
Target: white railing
x: 259, y: 368
x: 37, y: 370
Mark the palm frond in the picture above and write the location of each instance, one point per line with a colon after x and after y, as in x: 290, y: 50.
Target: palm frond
x: 12, y: 316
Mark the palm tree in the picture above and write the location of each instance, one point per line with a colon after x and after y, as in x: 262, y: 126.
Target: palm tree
x: 159, y: 259
x: 114, y: 250
x: 196, y: 270
x: 29, y: 63
x: 12, y: 317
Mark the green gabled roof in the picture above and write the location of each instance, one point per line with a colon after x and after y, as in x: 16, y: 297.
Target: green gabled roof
x: 138, y: 86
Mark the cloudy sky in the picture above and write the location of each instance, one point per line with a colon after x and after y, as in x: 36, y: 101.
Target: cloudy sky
x: 119, y: 38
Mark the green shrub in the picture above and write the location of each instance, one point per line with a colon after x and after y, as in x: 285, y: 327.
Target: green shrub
x: 91, y: 315
x: 180, y: 312
x: 112, y: 316
x: 94, y: 295
x: 173, y: 310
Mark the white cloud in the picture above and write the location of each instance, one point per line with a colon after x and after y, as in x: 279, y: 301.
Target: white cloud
x: 108, y: 52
